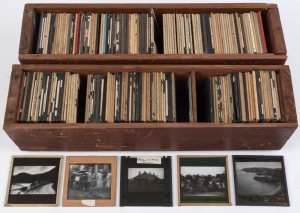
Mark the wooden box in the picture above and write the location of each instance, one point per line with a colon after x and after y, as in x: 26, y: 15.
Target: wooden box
x: 179, y: 136
x: 271, y: 20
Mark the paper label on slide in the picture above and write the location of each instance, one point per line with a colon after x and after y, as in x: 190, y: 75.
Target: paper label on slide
x: 149, y: 160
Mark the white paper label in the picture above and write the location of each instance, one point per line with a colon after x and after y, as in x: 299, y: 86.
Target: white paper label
x: 88, y: 202
x: 149, y: 160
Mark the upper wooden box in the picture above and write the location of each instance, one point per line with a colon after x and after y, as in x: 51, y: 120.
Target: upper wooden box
x: 270, y: 18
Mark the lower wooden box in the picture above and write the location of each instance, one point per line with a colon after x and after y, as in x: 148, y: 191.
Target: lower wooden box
x: 179, y: 136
